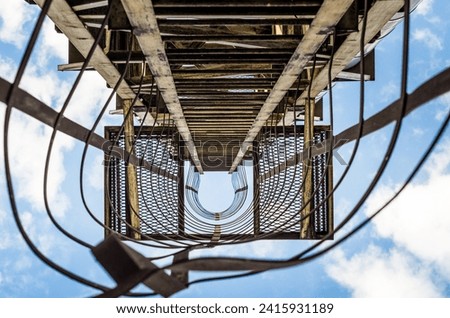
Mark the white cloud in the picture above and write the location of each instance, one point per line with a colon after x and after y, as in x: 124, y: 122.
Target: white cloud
x: 418, y: 225
x: 418, y: 132
x: 389, y: 92
x: 374, y: 273
x: 417, y: 220
x: 95, y: 174
x: 7, y: 69
x: 28, y: 142
x: 5, y: 239
x: 53, y: 43
x: 29, y: 147
x: 430, y: 39
x: 445, y: 108
x: 14, y: 15
x: 27, y: 152
x: 2, y: 216
x: 44, y: 85
x: 89, y: 98
x: 425, y: 7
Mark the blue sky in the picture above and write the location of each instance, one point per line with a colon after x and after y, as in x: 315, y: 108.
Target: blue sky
x: 404, y: 253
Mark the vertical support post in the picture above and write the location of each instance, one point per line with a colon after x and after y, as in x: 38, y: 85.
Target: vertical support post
x: 330, y: 189
x: 131, y: 175
x: 305, y: 228
x: 256, y: 193
x: 181, y: 219
x: 107, y: 189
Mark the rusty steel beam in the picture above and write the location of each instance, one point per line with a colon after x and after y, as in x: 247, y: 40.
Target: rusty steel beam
x: 145, y: 27
x: 327, y: 17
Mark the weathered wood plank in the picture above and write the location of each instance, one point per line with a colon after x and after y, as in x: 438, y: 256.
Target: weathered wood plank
x: 143, y: 19
x: 68, y: 22
x: 327, y: 17
x: 132, y: 183
x: 379, y: 14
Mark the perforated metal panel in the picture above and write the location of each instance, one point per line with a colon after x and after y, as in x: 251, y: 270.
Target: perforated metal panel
x: 322, y: 182
x: 158, y: 193
x: 281, y: 184
x: 280, y: 195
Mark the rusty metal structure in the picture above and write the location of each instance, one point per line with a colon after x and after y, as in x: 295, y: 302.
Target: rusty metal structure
x: 216, y: 86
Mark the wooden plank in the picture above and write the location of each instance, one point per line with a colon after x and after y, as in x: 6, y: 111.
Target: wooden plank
x: 132, y: 196
x: 92, y: 5
x: 233, y: 21
x: 68, y: 22
x: 142, y: 17
x: 327, y: 17
x: 236, y: 3
x: 305, y: 230
x: 379, y: 14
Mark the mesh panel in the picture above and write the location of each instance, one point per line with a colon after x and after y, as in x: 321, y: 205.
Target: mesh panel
x: 321, y: 184
x: 280, y: 196
x: 158, y: 194
x: 280, y: 192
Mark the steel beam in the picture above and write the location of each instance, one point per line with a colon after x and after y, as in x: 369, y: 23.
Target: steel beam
x: 327, y: 17
x: 379, y: 14
x: 145, y: 27
x: 69, y: 23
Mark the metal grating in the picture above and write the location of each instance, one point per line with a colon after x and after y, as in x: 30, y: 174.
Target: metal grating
x: 158, y: 193
x: 321, y: 182
x: 280, y: 192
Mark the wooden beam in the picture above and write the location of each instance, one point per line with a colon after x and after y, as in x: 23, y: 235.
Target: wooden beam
x: 327, y: 17
x: 91, y: 5
x: 145, y: 27
x: 235, y: 3
x: 379, y: 14
x: 68, y: 22
x: 308, y: 186
x: 233, y: 21
x: 132, y: 196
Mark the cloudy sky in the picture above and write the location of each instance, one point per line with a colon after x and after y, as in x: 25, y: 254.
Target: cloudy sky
x: 405, y: 252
